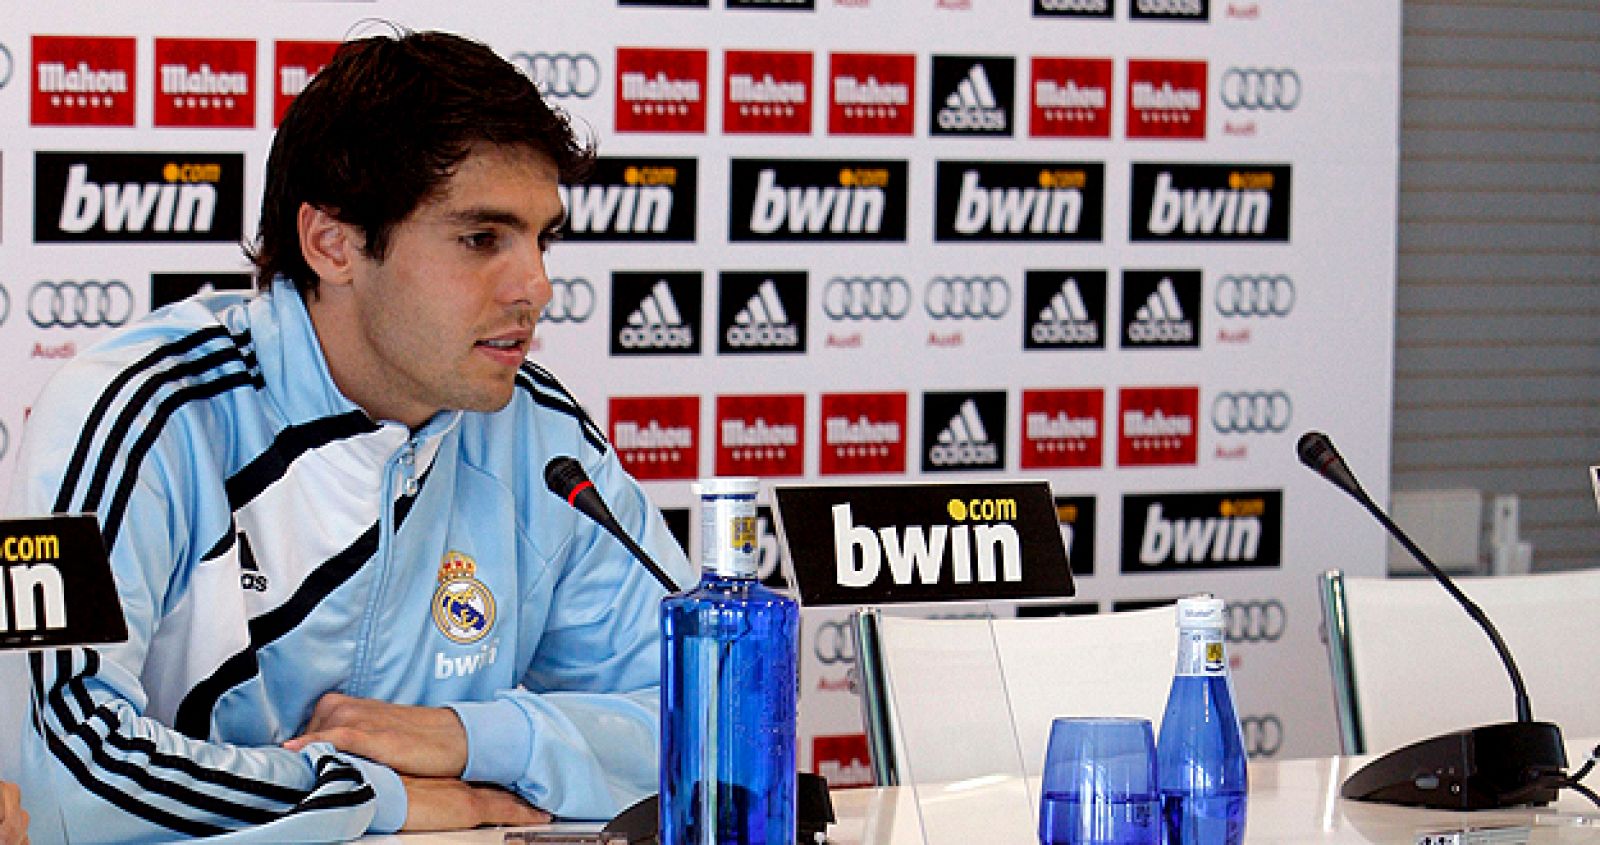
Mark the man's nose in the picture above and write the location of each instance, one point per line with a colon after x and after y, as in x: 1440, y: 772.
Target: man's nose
x: 532, y: 282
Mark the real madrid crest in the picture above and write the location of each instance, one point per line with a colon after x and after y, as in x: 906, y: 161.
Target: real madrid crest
x: 463, y: 607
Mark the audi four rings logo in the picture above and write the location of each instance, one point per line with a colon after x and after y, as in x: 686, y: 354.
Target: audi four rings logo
x: 5, y: 65
x: 5, y: 305
x: 1252, y: 412
x: 968, y: 298
x: 1255, y: 296
x: 561, y: 74
x: 1261, y: 88
x: 1260, y: 621
x: 866, y: 298
x: 834, y: 644
x: 1263, y: 735
x: 571, y: 301
x: 80, y: 304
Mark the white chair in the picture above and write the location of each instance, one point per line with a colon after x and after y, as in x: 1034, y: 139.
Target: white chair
x: 951, y: 699
x: 1409, y: 663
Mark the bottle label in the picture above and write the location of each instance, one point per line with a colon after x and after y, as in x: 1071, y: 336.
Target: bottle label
x: 1200, y: 652
x: 728, y: 535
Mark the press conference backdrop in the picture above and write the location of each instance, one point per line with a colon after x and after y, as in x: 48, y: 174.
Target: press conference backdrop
x: 1129, y: 246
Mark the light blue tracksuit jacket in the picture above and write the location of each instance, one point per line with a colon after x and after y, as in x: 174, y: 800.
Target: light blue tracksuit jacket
x: 272, y: 543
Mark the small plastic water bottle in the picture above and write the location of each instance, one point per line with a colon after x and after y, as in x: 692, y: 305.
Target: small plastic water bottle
x: 728, y: 689
x: 1200, y: 758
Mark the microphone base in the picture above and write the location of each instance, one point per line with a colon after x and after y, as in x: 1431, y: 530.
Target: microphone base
x: 1483, y: 768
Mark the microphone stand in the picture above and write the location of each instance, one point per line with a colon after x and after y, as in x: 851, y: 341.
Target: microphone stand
x: 1499, y: 765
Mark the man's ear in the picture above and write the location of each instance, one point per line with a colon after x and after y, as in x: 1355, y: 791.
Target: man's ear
x: 331, y: 247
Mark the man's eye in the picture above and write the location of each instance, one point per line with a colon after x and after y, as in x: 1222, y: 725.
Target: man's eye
x: 479, y: 240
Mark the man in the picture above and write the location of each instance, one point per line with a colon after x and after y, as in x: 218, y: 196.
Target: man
x: 352, y: 604
x: 13, y: 821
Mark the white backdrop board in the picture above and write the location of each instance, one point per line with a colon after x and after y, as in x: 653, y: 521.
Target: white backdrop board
x: 1133, y: 247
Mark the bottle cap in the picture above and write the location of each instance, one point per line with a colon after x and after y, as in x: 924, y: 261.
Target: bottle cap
x: 1202, y: 611
x: 716, y: 488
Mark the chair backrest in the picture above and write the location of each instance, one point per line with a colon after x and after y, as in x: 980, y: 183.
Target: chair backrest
x: 1421, y: 667
x: 957, y: 689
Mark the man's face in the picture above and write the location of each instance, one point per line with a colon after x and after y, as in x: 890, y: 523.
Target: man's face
x: 447, y: 316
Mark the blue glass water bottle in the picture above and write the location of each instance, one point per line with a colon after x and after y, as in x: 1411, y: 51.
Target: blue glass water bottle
x: 1200, y: 759
x: 729, y: 687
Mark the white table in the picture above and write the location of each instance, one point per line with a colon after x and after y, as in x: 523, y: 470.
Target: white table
x: 1291, y: 801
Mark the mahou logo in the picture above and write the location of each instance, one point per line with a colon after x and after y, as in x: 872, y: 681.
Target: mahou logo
x: 963, y: 431
x: 762, y: 312
x: 1210, y: 202
x: 863, y: 433
x: 1062, y: 429
x: 1070, y: 98
x: 1157, y: 426
x: 661, y: 90
x: 655, y: 313
x: 203, y: 82
x: 657, y: 437
x: 83, y: 81
x: 766, y: 93
x: 872, y: 93
x: 1166, y: 99
x: 761, y: 435
x: 295, y: 64
x: 632, y: 199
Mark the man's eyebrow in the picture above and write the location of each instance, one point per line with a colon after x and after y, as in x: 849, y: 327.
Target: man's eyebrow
x: 487, y: 216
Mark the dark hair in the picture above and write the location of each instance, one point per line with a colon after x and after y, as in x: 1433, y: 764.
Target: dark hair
x: 382, y: 126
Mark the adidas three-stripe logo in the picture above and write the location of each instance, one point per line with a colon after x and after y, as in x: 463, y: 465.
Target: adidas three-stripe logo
x: 1161, y: 318
x: 763, y: 321
x: 657, y: 323
x: 1065, y: 319
x: 973, y: 105
x: 964, y: 441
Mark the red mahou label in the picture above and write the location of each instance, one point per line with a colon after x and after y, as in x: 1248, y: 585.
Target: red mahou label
x: 1062, y: 429
x: 295, y: 64
x: 761, y: 435
x: 83, y: 81
x: 657, y: 437
x: 205, y: 82
x: 1166, y: 99
x: 872, y: 94
x: 766, y: 93
x: 1157, y: 426
x: 661, y: 90
x: 862, y: 433
x: 1070, y: 98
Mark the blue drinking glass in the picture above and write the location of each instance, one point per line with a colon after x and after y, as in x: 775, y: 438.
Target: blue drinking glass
x: 1099, y: 785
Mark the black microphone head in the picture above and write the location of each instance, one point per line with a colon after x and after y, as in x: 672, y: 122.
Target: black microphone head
x: 1312, y: 449
x: 563, y: 475
x: 1316, y: 451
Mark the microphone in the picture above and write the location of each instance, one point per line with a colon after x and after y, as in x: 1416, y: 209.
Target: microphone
x: 565, y: 478
x: 1496, y: 765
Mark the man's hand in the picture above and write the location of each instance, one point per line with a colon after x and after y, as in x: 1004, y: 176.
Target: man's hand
x: 13, y: 820
x: 451, y: 804
x: 423, y: 741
